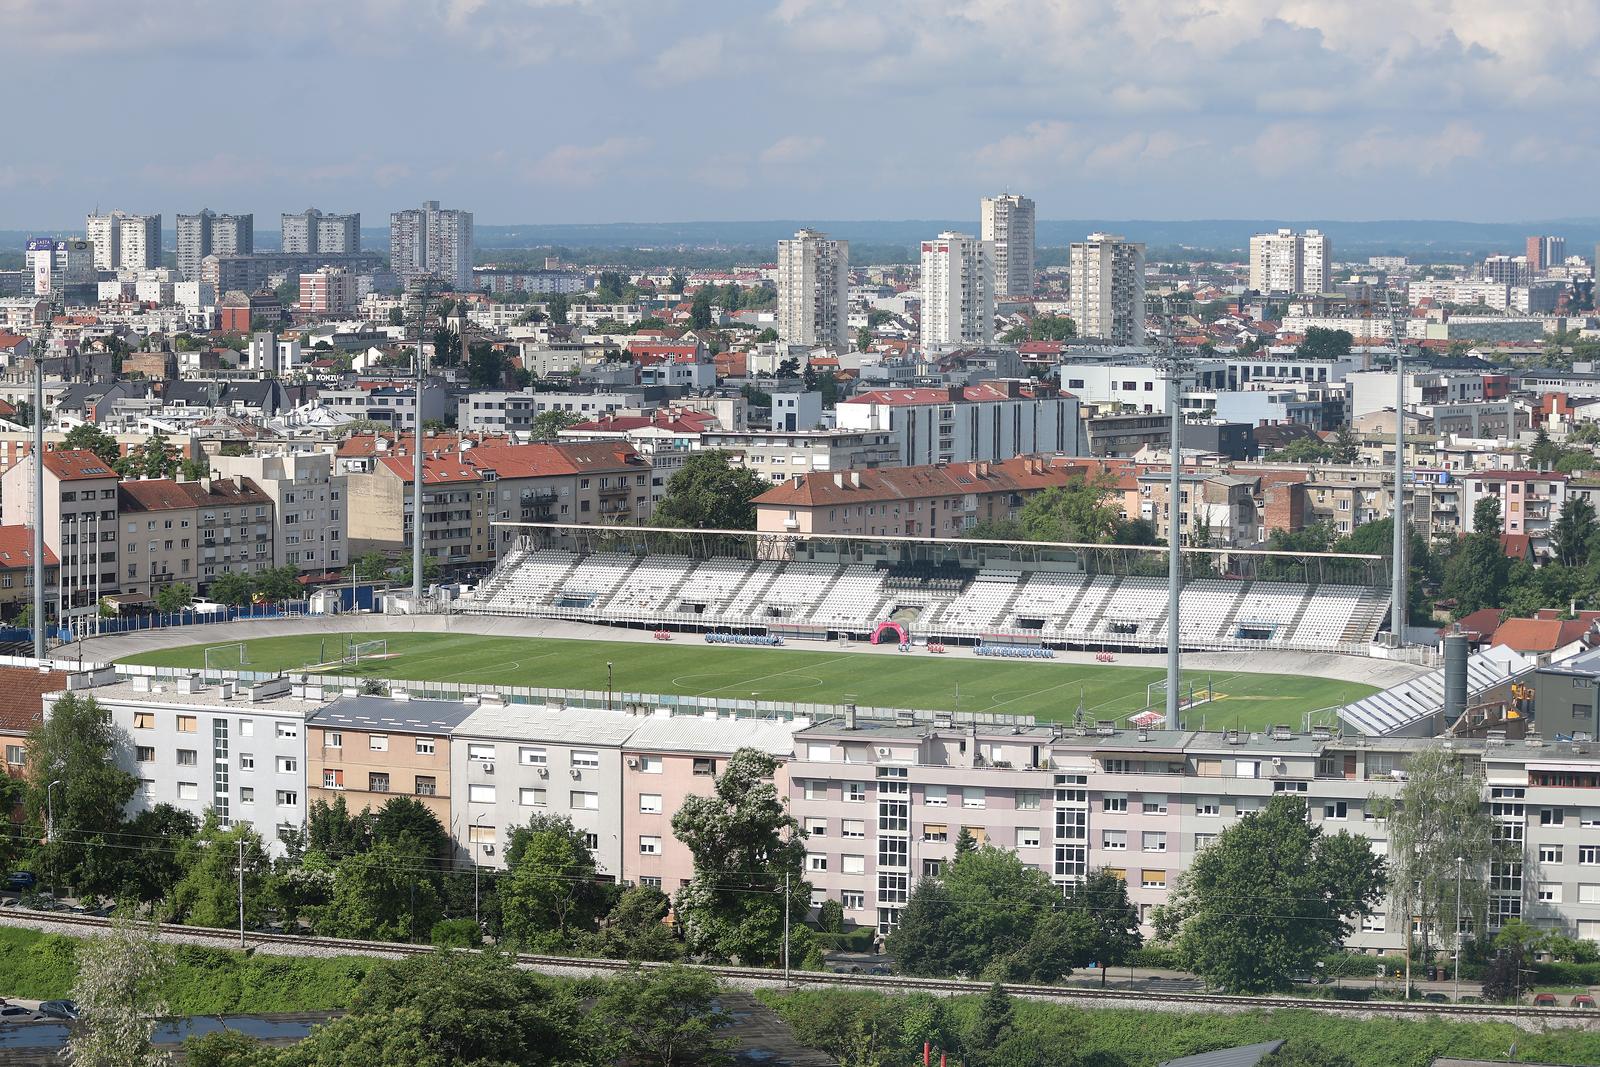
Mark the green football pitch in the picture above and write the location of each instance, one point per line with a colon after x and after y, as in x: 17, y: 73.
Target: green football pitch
x: 687, y: 666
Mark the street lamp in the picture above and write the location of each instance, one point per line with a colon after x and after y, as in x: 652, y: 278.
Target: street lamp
x: 477, y: 847
x: 608, y: 685
x: 50, y: 826
x: 1457, y: 993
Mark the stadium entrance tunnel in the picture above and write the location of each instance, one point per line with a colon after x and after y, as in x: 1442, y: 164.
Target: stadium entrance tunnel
x: 891, y: 629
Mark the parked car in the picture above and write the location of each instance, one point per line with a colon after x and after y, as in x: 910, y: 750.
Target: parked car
x: 1436, y: 998
x: 15, y: 1013
x: 58, y: 1009
x: 1583, y: 1000
x: 21, y: 881
x: 1545, y: 1000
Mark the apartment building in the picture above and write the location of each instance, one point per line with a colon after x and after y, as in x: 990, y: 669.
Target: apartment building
x: 208, y: 233
x: 1214, y: 510
x: 239, y: 752
x: 993, y: 420
x: 191, y: 532
x: 813, y: 279
x: 328, y: 291
x: 1289, y: 262
x: 390, y: 403
x: 1007, y: 222
x: 592, y: 483
x: 312, y: 231
x: 309, y: 506
x: 1107, y: 297
x: 432, y: 240
x: 512, y: 762
x: 1530, y: 501
x: 455, y: 513
x: 79, y: 514
x: 16, y: 569
x: 957, y: 291
x: 124, y: 242
x: 367, y: 748
x: 890, y: 800
x: 778, y: 455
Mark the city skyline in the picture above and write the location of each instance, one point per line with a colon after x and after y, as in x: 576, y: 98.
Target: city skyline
x: 1249, y: 108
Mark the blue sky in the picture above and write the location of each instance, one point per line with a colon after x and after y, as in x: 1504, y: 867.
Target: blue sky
x: 668, y: 110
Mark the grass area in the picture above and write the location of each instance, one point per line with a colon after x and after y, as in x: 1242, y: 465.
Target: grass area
x: 196, y: 981
x: 686, y: 666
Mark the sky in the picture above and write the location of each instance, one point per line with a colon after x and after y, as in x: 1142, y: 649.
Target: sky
x: 549, y: 111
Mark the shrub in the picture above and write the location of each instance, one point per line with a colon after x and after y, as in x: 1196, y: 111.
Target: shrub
x: 457, y: 933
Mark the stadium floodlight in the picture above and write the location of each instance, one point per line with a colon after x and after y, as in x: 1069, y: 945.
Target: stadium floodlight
x: 1398, y: 320
x: 1170, y: 359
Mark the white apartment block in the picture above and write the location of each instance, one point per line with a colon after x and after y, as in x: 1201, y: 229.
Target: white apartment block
x: 1289, y: 262
x: 1107, y: 297
x: 311, y: 231
x: 432, y: 240
x: 208, y: 233
x: 124, y: 241
x: 957, y: 291
x: 813, y: 279
x: 1008, y: 221
x: 309, y: 501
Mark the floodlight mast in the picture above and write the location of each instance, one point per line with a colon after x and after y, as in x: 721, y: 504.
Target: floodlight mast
x: 1174, y: 363
x: 1397, y: 617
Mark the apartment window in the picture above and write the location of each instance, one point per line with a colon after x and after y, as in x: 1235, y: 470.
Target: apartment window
x: 288, y: 730
x: 1210, y: 807
x: 247, y: 762
x: 818, y: 753
x: 1154, y: 804
x: 1549, y: 853
x: 705, y: 767
x: 815, y: 827
x: 972, y: 798
x: 853, y: 828
x: 582, y: 800
x: 812, y: 789
x: 141, y: 753
x: 853, y: 864
x: 650, y: 764
x: 1338, y: 809
x: 1153, y: 879
x: 935, y: 832
x: 187, y: 724
x: 187, y: 757
x: 532, y: 757
x: 480, y: 794
x: 333, y: 739
x: 1027, y: 837
x: 1552, y: 816
x: 378, y: 782
x: 1154, y: 842
x: 378, y: 742
x: 531, y: 798
x: 815, y: 862
x: 424, y: 746
x: 1202, y: 840
x: 855, y: 792
x: 1589, y: 894
x: 649, y: 846
x: 333, y: 779
x: 247, y: 795
x: 1589, y: 855
x: 426, y: 785
x: 288, y: 765
x: 935, y: 796
x: 1027, y: 800
x: 584, y: 758
x: 188, y: 791
x: 1114, y: 840
x: 1550, y: 892
x: 853, y: 900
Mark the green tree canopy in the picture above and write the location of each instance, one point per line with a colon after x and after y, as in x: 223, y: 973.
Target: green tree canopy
x: 1322, y: 343
x: 549, y: 897
x: 174, y: 597
x: 547, y: 425
x: 232, y: 587
x: 1081, y: 511
x: 378, y: 894
x: 663, y: 1018
x: 709, y: 493
x: 91, y: 437
x: 77, y: 745
x: 207, y: 894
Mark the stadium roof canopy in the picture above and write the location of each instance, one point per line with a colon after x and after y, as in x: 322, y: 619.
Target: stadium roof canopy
x: 1404, y: 707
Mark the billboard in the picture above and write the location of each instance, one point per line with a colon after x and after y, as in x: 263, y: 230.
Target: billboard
x: 41, y: 244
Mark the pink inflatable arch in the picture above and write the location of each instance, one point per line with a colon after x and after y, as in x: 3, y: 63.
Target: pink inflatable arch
x: 891, y: 629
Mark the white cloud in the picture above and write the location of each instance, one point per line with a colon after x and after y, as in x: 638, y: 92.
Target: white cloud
x: 1386, y: 148
x: 581, y: 164
x: 1050, y: 141
x: 792, y: 149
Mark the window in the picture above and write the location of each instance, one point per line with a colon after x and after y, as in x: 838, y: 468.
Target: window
x: 1589, y: 819
x: 1154, y: 842
x: 815, y: 862
x: 1154, y: 804
x: 1114, y: 840
x: 1338, y: 809
x: 649, y: 846
x: 532, y: 757
x: 333, y: 779
x: 816, y: 827
x: 1552, y: 816
x: 480, y: 794
x: 1589, y: 855
x: 247, y: 762
x: 188, y: 791
x: 818, y: 753
x: 288, y: 729
x: 531, y: 798
x: 1027, y: 800
x: 853, y: 864
x: 650, y: 803
x: 144, y: 720
x: 1290, y: 787
x: 425, y: 746
x: 378, y: 742
x: 855, y: 792
x: 853, y: 900
x: 187, y: 724
x: 1589, y: 894
x: 333, y: 739
x: 972, y: 798
x: 1202, y: 840
x: 853, y: 828
x: 1153, y: 880
x: 935, y: 832
x: 1114, y: 804
x: 288, y: 765
x: 142, y: 753
x: 1027, y: 837
x: 705, y: 767
x: 1549, y: 853
x: 935, y: 796
x: 1550, y: 892
x: 812, y: 789
x: 650, y: 764
x: 583, y: 800
x: 378, y: 782
x: 426, y: 785
x: 1210, y: 807
x: 247, y: 795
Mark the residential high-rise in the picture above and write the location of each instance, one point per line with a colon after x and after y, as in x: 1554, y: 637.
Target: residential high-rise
x: 1289, y: 262
x: 813, y: 279
x: 122, y: 241
x: 1007, y: 220
x: 1507, y: 270
x: 105, y: 234
x: 312, y: 231
x: 1107, y: 298
x: 327, y: 291
x: 1546, y: 252
x: 434, y: 241
x: 957, y: 290
x: 208, y: 233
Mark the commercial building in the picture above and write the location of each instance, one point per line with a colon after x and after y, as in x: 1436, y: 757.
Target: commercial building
x: 1007, y: 222
x: 1545, y: 252
x: 308, y: 505
x: 311, y: 231
x: 813, y: 279
x: 993, y: 420
x: 957, y: 291
x: 1507, y: 270
x: 432, y: 240
x: 1107, y: 298
x: 208, y: 233
x: 1289, y: 262
x: 61, y: 269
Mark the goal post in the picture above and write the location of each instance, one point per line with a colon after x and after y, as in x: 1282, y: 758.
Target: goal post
x: 360, y: 650
x: 230, y: 657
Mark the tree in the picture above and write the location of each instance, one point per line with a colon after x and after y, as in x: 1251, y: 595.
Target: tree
x: 77, y: 746
x: 1345, y: 448
x: 152, y: 866
x: 863, y: 339
x: 1302, y: 450
x: 430, y: 570
x: 991, y: 1024
x: 334, y: 831
x: 1486, y: 518
x: 709, y: 493
x: 700, y: 309
x: 559, y: 307
x: 966, y: 844
x: 549, y: 899
x: 788, y: 369
x: 446, y: 347
x: 486, y: 366
x: 1298, y: 1052
x: 377, y: 895
x: 409, y: 825
x: 174, y: 597
x: 1102, y: 898
x: 547, y: 425
x: 12, y: 794
x: 664, y: 1018
x: 767, y: 336
x: 636, y: 927
x: 156, y: 458
x: 1269, y: 897
x: 745, y: 844
x: 1437, y: 817
x: 1042, y: 328
x: 1476, y: 575
x: 91, y: 437
x: 1321, y: 343
x: 116, y: 994
x: 1080, y: 511
x: 279, y: 583
x: 1573, y: 531
x: 232, y: 587
x: 1544, y: 452
x: 372, y: 567
x: 208, y: 893
x: 677, y: 282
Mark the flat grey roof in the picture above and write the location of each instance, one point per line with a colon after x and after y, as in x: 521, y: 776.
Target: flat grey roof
x: 364, y: 712
x: 684, y: 733
x: 539, y: 722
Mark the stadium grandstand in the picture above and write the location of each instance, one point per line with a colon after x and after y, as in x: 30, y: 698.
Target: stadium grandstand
x: 946, y: 591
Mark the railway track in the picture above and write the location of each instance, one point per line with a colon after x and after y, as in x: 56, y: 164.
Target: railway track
x: 1520, y: 1015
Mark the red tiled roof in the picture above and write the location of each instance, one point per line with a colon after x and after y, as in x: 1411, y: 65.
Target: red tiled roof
x: 448, y: 469
x: 77, y: 464
x: 22, y: 691
x: 1481, y: 624
x: 1539, y: 635
x: 10, y: 340
x: 1023, y: 473
x: 16, y: 548
x: 979, y: 393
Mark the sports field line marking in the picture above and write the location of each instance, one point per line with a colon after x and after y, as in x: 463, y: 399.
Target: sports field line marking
x: 778, y: 674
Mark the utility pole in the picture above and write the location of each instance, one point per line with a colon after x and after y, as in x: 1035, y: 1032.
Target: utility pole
x: 1457, y: 993
x: 38, y: 506
x: 416, y: 459
x: 1397, y: 617
x: 786, y: 878
x: 241, y: 890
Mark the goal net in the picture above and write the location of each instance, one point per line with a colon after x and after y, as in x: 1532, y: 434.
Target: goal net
x: 229, y: 657
x: 360, y: 650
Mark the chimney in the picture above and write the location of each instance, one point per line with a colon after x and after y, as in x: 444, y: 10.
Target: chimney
x: 849, y: 716
x: 956, y: 393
